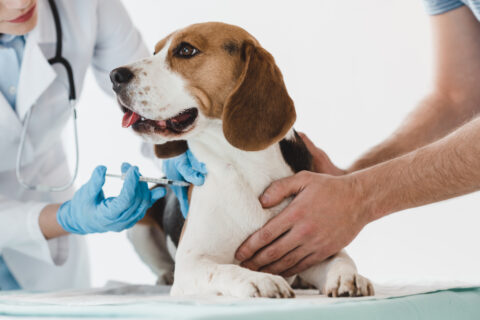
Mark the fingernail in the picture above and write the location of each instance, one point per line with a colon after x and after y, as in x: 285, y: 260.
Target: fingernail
x: 240, y: 256
x: 264, y: 198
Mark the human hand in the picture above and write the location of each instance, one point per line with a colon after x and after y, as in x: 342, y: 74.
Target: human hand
x: 184, y: 167
x: 321, y: 161
x: 325, y: 216
x: 90, y: 212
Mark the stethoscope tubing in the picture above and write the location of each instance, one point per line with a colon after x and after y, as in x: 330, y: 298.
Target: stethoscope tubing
x: 72, y: 102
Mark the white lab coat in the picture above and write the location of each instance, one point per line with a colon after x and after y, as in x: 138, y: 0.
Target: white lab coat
x: 96, y: 33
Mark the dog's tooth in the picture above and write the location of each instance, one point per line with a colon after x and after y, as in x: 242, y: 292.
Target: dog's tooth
x: 143, y: 119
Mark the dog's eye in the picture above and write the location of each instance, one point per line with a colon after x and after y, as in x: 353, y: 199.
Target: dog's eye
x: 185, y: 50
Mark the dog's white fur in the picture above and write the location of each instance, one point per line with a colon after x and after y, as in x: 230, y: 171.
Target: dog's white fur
x: 225, y: 210
x: 164, y: 93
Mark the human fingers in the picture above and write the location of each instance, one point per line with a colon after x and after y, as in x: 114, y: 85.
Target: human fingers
x: 288, y: 261
x: 272, y: 252
x: 302, y: 265
x: 143, y: 200
x: 308, y: 143
x: 180, y: 168
x: 137, y: 212
x: 157, y: 193
x: 169, y: 167
x: 189, y: 174
x: 141, y: 188
x: 125, y: 166
x: 127, y: 196
x: 140, y: 208
x: 196, y: 165
x: 321, y: 161
x: 264, y: 236
x: 97, y: 180
x: 142, y: 191
x: 284, y: 188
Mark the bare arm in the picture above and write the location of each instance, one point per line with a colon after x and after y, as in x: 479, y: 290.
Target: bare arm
x: 456, y: 95
x: 441, y: 159
x: 48, y: 222
x: 328, y: 211
x: 444, y: 169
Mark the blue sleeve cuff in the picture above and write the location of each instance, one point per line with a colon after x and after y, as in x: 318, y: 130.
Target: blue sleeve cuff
x: 434, y: 7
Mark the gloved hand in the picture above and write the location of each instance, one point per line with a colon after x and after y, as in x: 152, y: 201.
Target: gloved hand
x: 184, y: 167
x: 90, y: 212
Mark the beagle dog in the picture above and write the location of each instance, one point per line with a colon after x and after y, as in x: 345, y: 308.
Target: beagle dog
x: 213, y: 85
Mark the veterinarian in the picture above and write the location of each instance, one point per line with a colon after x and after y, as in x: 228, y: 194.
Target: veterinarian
x: 36, y: 252
x: 433, y: 156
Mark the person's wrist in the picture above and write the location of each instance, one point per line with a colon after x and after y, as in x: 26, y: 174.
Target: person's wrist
x: 63, y: 218
x: 61, y: 215
x: 362, y: 205
x: 375, y: 202
x: 48, y: 222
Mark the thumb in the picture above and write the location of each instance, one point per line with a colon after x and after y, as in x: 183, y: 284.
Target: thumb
x: 308, y: 143
x: 321, y: 161
x: 157, y: 193
x: 97, y: 180
x: 125, y: 166
x: 128, y: 194
x: 283, y: 188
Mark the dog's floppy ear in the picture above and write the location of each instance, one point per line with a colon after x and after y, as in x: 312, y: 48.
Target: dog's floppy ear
x: 170, y: 149
x: 259, y: 111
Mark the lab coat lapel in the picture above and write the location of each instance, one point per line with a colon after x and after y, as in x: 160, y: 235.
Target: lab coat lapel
x: 8, y: 117
x: 36, y: 74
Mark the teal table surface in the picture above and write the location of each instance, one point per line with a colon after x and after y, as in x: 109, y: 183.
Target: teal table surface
x: 457, y: 304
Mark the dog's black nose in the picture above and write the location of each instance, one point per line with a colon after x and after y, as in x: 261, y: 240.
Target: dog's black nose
x: 120, y: 77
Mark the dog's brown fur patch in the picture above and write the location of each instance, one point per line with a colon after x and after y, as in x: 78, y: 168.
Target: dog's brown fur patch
x: 170, y: 149
x: 259, y: 112
x: 234, y: 79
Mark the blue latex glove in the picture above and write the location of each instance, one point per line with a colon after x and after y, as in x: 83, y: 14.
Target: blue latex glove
x: 184, y: 167
x: 90, y: 212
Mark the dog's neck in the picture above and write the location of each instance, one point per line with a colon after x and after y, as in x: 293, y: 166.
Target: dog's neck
x: 257, y: 169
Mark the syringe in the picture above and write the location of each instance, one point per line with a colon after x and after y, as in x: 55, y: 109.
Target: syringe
x: 162, y: 181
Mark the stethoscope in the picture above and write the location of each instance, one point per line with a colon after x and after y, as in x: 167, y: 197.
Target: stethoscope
x: 73, y: 102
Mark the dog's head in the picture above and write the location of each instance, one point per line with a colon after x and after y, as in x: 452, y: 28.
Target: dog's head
x: 203, y: 73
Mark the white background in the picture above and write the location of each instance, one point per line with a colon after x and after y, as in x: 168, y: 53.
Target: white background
x: 354, y: 70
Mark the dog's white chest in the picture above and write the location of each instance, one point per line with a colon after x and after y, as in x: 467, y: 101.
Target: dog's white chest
x: 227, y: 207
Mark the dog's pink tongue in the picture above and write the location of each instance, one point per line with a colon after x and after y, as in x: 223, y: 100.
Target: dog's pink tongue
x: 129, y: 118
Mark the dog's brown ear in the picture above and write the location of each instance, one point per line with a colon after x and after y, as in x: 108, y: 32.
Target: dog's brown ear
x: 259, y: 111
x: 170, y: 149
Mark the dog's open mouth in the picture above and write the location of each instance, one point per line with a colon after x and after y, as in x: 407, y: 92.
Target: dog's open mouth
x: 180, y: 123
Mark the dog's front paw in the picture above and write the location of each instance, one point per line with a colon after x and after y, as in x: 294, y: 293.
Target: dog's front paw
x: 262, y: 285
x: 348, y: 285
